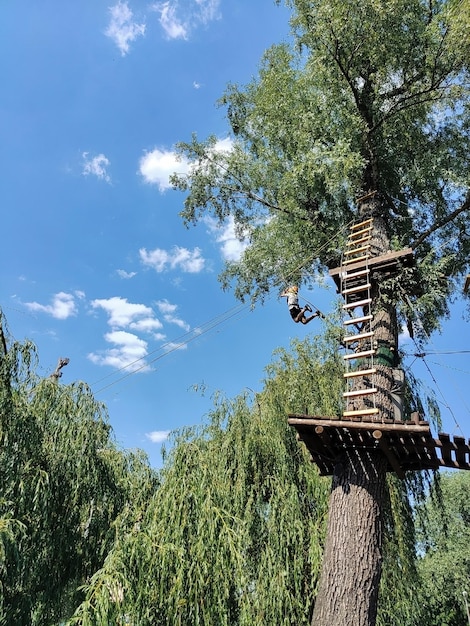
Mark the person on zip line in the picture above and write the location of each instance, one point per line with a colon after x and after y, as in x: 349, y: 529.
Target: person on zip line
x: 297, y: 313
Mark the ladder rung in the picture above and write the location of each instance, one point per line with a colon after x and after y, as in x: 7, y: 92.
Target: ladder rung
x: 360, y: 392
x: 359, y: 233
x: 355, y: 259
x: 357, y: 320
x: 358, y: 355
x: 356, y: 289
x: 357, y: 337
x: 356, y: 250
x: 360, y: 412
x: 364, y: 223
x: 355, y: 373
x: 346, y: 276
x: 353, y: 305
x: 356, y: 240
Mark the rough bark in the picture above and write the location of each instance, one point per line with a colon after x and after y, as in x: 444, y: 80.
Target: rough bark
x: 351, y: 569
x: 349, y: 583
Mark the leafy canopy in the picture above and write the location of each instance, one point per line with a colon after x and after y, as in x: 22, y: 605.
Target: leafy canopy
x: 368, y: 97
x: 64, y: 484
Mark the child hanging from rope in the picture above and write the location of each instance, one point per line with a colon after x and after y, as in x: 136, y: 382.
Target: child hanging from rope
x: 297, y: 313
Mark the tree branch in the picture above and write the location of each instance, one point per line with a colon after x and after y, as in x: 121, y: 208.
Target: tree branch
x: 440, y: 223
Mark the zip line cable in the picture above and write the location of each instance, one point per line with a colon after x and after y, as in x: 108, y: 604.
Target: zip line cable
x: 186, y: 338
x: 422, y: 355
x: 176, y: 344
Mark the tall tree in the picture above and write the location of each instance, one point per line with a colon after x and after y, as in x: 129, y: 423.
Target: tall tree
x: 234, y: 534
x: 64, y: 483
x: 444, y: 548
x: 367, y: 114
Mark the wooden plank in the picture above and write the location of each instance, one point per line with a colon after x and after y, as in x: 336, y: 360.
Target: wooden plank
x: 400, y: 427
x: 392, y: 459
x: 356, y: 289
x: 360, y: 239
x: 446, y: 446
x: 354, y: 305
x: 378, y: 261
x: 358, y: 355
x: 350, y: 338
x: 346, y: 276
x: 461, y: 451
x: 359, y: 233
x: 356, y: 260
x: 360, y: 412
x: 351, y: 249
x: 323, y: 434
x: 369, y: 220
x: 360, y: 392
x: 366, y: 372
x: 357, y: 320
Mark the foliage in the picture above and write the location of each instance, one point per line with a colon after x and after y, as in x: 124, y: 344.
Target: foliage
x: 234, y: 533
x: 370, y: 96
x: 444, y: 548
x: 63, y: 484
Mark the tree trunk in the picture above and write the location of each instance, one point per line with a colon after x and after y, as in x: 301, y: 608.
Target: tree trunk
x: 351, y: 569
x: 348, y: 590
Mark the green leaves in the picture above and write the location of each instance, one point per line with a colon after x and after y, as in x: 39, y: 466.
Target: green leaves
x: 63, y: 485
x: 444, y: 562
x: 370, y: 96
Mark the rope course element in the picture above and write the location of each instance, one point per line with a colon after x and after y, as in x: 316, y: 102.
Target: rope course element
x: 206, y: 327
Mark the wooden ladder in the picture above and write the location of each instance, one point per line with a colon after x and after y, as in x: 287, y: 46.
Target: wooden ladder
x: 355, y: 288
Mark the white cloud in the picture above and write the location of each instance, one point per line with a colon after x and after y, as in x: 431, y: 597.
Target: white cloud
x: 171, y: 346
x: 404, y: 335
x: 178, y: 322
x: 62, y: 306
x: 122, y: 29
x: 196, y: 13
x: 121, y: 312
x: 189, y: 261
x: 96, y: 166
x: 147, y: 325
x: 174, y: 28
x: 166, y: 307
x: 129, y: 352
x: 168, y: 311
x: 124, y: 274
x: 231, y: 247
x: 157, y: 166
x: 156, y: 259
x: 158, y: 436
x: 208, y: 10
x: 223, y: 145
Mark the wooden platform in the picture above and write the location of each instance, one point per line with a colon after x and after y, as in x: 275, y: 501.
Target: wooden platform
x: 408, y: 446
x: 385, y: 263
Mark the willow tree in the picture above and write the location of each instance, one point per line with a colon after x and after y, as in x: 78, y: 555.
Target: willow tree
x: 365, y: 114
x: 233, y: 535
x: 64, y: 484
x: 445, y: 550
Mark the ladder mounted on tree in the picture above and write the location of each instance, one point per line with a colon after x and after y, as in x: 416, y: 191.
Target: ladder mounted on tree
x: 355, y: 287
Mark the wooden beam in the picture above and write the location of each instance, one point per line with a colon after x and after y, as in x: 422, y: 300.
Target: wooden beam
x: 377, y: 435
x: 376, y: 262
x: 299, y: 420
x: 467, y: 284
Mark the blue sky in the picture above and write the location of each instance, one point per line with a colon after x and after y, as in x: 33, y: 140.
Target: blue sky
x: 96, y: 263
